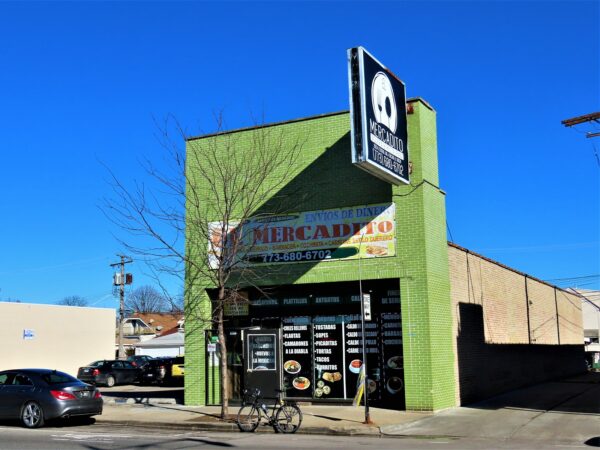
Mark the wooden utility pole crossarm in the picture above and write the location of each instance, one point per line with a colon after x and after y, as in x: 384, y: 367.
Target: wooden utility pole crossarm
x: 592, y: 117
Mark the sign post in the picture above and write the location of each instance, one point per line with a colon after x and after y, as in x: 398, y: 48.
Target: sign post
x: 364, y: 379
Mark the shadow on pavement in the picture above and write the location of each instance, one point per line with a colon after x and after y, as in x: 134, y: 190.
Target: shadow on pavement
x: 202, y: 415
x: 143, y: 394
x: 593, y: 442
x: 576, y: 395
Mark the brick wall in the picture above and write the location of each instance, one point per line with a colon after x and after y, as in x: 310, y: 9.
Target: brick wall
x: 508, y: 327
x: 325, y: 178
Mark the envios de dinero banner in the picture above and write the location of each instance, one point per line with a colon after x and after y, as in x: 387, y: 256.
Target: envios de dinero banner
x: 367, y: 231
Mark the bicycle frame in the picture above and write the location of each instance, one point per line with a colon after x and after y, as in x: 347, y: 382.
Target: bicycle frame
x: 257, y: 412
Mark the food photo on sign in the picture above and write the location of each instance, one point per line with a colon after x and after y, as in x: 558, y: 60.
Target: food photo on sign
x: 326, y: 383
x: 293, y: 368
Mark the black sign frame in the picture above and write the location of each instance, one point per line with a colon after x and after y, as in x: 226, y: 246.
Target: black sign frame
x: 264, y: 375
x: 379, y: 138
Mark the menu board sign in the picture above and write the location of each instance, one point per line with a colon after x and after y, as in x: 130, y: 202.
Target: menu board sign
x: 328, y: 342
x: 262, y: 350
x: 322, y: 355
x: 391, y: 334
x: 354, y: 341
x: 297, y: 356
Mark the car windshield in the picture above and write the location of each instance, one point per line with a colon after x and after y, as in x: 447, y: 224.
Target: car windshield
x: 96, y: 364
x: 58, y: 378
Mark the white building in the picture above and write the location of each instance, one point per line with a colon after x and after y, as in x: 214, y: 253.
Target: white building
x: 54, y: 337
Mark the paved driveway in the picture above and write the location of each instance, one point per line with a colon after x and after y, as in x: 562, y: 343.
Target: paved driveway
x: 565, y: 411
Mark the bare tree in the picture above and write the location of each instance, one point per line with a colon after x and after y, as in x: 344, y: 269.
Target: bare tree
x: 73, y: 300
x: 190, y: 217
x: 146, y: 299
x: 177, y: 304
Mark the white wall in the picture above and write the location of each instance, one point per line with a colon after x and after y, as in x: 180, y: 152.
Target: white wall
x: 63, y: 337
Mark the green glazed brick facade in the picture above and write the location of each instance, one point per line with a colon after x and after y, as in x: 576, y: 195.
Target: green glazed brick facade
x: 324, y: 179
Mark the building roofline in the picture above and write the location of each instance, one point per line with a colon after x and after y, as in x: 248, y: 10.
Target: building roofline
x: 267, y: 125
x: 504, y: 266
x: 286, y: 122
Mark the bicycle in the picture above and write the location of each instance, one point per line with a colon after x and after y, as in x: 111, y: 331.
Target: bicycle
x: 285, y: 416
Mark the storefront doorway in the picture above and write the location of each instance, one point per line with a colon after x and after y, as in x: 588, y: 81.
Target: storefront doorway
x: 319, y: 331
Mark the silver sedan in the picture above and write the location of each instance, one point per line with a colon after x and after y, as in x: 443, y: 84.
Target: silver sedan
x: 36, y: 395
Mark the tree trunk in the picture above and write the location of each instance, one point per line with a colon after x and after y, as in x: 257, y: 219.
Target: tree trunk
x: 223, y: 363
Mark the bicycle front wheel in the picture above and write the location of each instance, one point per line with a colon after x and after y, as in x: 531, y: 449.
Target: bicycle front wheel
x: 288, y: 418
x: 248, y: 418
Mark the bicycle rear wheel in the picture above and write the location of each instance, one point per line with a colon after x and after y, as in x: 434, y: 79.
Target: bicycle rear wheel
x: 248, y: 418
x: 288, y: 418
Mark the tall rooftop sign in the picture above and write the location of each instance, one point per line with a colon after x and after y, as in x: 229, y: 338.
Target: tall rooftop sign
x: 378, y: 115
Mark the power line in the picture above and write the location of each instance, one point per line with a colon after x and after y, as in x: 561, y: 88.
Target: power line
x: 449, y: 232
x: 584, y: 277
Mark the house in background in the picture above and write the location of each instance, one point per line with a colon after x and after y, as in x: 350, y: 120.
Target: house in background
x: 171, y: 344
x: 142, y: 327
x: 154, y: 334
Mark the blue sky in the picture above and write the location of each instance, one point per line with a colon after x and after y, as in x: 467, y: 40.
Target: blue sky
x: 81, y: 82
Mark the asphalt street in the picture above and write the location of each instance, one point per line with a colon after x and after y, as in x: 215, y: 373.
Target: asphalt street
x: 101, y: 437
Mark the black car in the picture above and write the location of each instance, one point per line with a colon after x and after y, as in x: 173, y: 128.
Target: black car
x: 109, y: 372
x: 36, y: 395
x: 139, y: 360
x: 153, y: 371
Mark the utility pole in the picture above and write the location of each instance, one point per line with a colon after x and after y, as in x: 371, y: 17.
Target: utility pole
x: 593, y: 117
x: 120, y: 279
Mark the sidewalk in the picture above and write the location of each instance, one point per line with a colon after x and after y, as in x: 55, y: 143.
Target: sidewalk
x: 566, y: 411
x: 333, y: 420
x: 561, y: 411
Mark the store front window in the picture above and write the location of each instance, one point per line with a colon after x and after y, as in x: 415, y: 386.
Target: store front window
x: 321, y: 340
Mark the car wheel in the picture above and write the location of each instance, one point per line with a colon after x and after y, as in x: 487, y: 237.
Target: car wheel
x: 110, y: 381
x: 32, y: 415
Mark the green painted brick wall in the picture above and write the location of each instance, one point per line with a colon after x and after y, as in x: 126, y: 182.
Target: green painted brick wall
x: 325, y: 178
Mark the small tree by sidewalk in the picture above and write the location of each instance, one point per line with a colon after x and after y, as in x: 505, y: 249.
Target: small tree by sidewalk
x: 188, y: 217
